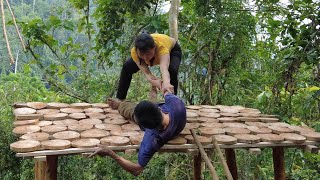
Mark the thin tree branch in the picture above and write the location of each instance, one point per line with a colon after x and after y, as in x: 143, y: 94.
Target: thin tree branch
x: 5, y: 33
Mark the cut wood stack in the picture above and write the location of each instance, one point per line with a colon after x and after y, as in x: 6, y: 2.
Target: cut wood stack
x: 54, y: 126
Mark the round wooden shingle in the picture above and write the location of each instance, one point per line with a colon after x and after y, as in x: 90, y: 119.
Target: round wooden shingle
x: 54, y: 117
x: 44, y: 123
x: 250, y: 110
x: 20, y: 130
x: 273, y: 138
x: 259, y: 130
x: 132, y: 126
x: 203, y: 140
x: 94, y: 133
x: 225, y: 139
x: 209, y: 115
x: 293, y: 137
x: 192, y: 120
x: 48, y: 111
x: 28, y: 117
x: 126, y: 133
x: 279, y: 124
x: 66, y: 122
x: 114, y: 116
x: 56, y: 144
x: 93, y: 110
x: 262, y: 119
x: 192, y: 125
x: 19, y: 104
x: 71, y: 110
x: 25, y: 146
x: 205, y: 110
x: 100, y: 105
x: 57, y: 105
x: 108, y: 127
x: 80, y: 105
x: 311, y: 136
x: 115, y: 121
x: 110, y: 111
x: 37, y: 105
x: 300, y: 129
x: 247, y: 138
x: 280, y: 130
x: 53, y: 128
x: 96, y: 115
x: 229, y: 110
x: 90, y: 121
x: 191, y: 114
x: 195, y: 107
x: 248, y: 119
x: 37, y: 136
x: 234, y: 131
x: 229, y: 114
x: 212, y: 125
x: 85, y: 143
x: 208, y: 131
x: 227, y: 119
x: 185, y: 132
x: 177, y: 141
x: 234, y: 125
x: 115, y: 141
x: 206, y: 119
x: 77, y: 116
x: 137, y: 139
x: 24, y: 111
x: 208, y: 107
x: 80, y: 127
x: 26, y: 122
x: 66, y: 135
x: 258, y: 124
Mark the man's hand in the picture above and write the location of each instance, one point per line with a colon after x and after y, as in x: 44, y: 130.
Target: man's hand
x: 167, y: 87
x: 102, y: 151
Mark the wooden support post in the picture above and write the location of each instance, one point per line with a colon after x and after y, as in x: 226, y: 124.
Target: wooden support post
x: 52, y: 167
x: 232, y: 163
x: 197, y: 167
x: 40, y: 167
x: 204, y: 156
x: 278, y: 163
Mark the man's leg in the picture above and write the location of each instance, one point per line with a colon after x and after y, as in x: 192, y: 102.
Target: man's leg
x: 126, y: 109
x: 175, y: 60
x: 128, y: 69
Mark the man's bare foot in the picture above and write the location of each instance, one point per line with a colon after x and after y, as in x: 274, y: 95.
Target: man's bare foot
x: 114, y: 102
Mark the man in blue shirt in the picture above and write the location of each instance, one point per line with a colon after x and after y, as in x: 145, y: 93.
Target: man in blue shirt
x: 162, y: 122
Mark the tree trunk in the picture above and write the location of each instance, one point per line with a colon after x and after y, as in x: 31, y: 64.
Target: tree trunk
x: 173, y: 18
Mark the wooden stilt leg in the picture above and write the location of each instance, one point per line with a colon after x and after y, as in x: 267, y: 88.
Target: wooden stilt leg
x: 197, y: 166
x: 52, y: 166
x: 40, y: 167
x: 232, y: 163
x: 278, y: 163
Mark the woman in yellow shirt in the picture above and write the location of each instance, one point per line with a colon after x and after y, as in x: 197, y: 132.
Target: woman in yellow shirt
x: 151, y: 50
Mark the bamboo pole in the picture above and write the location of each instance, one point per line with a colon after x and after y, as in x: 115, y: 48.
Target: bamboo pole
x: 5, y: 33
x: 15, y: 25
x: 204, y: 156
x: 222, y: 160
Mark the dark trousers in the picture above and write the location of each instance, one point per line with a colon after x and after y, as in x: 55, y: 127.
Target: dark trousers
x: 130, y: 67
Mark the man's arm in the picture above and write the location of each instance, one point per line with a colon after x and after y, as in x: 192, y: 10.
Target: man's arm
x: 127, y: 165
x: 164, y: 68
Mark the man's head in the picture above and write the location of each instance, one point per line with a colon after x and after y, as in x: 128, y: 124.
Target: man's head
x: 145, y: 46
x: 148, y: 115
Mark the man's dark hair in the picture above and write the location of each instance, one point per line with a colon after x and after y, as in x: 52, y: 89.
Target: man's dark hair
x: 144, y: 42
x: 148, y: 115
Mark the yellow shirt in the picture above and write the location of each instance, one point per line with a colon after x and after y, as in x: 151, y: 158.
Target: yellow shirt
x: 164, y: 44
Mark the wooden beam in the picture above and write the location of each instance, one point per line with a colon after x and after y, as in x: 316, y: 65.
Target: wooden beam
x: 52, y: 167
x: 311, y: 149
x: 232, y: 163
x: 278, y: 163
x: 204, y: 156
x: 165, y: 147
x: 197, y: 167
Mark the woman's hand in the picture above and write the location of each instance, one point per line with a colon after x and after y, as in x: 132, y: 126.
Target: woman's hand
x: 167, y: 87
x: 156, y: 82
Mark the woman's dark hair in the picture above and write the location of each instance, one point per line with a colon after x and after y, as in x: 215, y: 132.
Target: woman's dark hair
x: 144, y: 42
x: 148, y: 115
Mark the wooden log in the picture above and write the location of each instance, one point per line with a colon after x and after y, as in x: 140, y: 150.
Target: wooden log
x: 311, y: 149
x: 222, y: 160
x: 278, y: 163
x: 52, y: 167
x: 204, y: 156
x: 232, y: 163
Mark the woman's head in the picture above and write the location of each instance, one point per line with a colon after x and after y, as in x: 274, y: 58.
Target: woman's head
x: 145, y: 46
x: 148, y: 115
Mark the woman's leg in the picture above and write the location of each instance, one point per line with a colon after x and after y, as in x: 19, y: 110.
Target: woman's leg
x: 128, y: 69
x: 175, y: 61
